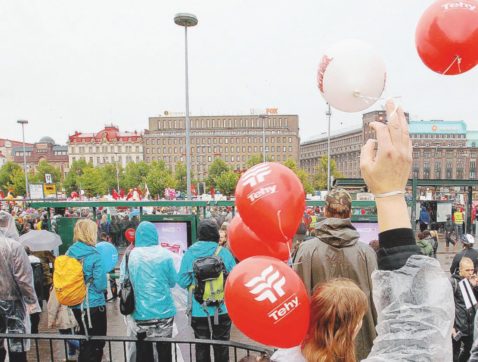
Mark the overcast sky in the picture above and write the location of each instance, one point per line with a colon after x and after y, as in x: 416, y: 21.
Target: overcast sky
x: 77, y: 65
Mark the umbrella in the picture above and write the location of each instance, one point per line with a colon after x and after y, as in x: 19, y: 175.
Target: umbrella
x: 40, y: 240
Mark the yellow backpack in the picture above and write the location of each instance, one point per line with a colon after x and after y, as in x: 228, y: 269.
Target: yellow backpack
x: 68, y: 281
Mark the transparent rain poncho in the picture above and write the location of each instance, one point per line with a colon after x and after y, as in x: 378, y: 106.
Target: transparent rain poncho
x: 416, y: 312
x: 179, y: 296
x: 17, y: 294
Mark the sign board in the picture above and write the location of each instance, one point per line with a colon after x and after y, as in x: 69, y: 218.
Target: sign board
x: 365, y: 196
x: 36, y: 191
x: 48, y: 178
x: 50, y: 190
x: 443, y: 209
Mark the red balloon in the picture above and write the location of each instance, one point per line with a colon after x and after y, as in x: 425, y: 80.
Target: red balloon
x: 130, y: 234
x: 74, y: 195
x: 268, y: 302
x: 447, y: 36
x: 244, y: 243
x: 271, y: 201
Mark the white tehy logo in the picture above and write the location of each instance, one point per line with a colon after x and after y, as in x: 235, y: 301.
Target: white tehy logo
x: 267, y: 285
x: 256, y: 175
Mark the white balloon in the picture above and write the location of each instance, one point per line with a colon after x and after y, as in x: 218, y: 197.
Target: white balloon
x: 351, y: 76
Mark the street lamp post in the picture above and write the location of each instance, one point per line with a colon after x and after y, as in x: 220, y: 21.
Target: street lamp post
x: 263, y: 137
x: 328, y: 113
x: 23, y: 122
x: 187, y: 20
x: 117, y: 172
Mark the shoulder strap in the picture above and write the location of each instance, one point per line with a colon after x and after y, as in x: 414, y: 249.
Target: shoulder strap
x: 218, y: 249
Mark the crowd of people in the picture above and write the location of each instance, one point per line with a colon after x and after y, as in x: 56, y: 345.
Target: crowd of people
x: 394, y: 303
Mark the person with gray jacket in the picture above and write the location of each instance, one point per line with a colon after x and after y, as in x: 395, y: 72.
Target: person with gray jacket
x: 17, y: 293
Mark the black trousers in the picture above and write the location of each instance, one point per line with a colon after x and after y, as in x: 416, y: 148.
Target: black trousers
x: 462, y: 354
x: 221, y: 332
x: 92, y: 351
x: 35, y: 322
x: 12, y: 320
x: 144, y: 350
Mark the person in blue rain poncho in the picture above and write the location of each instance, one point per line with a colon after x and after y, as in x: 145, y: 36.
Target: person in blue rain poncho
x: 207, y: 245
x: 152, y: 274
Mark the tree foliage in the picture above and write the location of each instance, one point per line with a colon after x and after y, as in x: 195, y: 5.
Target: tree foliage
x: 46, y: 168
x: 301, y: 174
x: 159, y: 178
x: 256, y: 159
x: 226, y: 182
x: 77, y: 169
x: 6, y: 173
x: 92, y: 182
x: 218, y: 166
x: 135, y: 174
x: 320, y: 180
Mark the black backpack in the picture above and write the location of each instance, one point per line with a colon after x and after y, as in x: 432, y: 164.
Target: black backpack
x: 210, y: 274
x: 38, y: 280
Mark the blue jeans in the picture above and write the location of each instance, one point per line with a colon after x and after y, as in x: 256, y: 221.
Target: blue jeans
x: 73, y: 345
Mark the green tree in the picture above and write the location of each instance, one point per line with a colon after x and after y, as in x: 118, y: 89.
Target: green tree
x: 159, y: 178
x: 218, y: 166
x: 108, y: 173
x: 135, y: 175
x: 320, y: 180
x: 226, y: 182
x: 301, y: 174
x: 46, y: 168
x: 92, y: 182
x: 6, y: 173
x: 180, y: 174
x: 256, y: 159
x: 72, y: 179
x: 17, y: 182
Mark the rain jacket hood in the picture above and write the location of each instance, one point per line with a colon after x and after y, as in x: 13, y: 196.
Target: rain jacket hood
x: 198, y: 250
x: 93, y: 272
x: 152, y: 274
x: 339, y: 233
x: 146, y: 235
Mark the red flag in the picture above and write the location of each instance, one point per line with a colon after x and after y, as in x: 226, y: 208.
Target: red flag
x: 193, y: 190
x: 212, y: 191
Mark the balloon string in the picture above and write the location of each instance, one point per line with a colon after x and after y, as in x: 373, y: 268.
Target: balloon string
x: 374, y: 99
x: 290, y: 254
x: 457, y: 59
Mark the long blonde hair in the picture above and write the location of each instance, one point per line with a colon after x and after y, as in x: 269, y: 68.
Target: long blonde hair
x: 337, y: 309
x: 86, y: 231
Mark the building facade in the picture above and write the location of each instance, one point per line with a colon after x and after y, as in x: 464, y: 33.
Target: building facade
x: 441, y: 149
x: 234, y: 139
x: 7, y: 146
x: 106, y: 146
x: 44, y: 150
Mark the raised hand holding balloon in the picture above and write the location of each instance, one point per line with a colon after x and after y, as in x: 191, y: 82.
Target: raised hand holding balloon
x: 244, y: 243
x: 447, y: 36
x: 351, y: 76
x: 268, y: 302
x: 271, y: 199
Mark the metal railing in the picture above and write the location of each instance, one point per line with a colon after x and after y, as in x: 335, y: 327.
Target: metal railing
x: 53, y: 347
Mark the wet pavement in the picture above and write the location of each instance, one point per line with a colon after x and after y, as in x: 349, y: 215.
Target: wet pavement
x: 115, y: 351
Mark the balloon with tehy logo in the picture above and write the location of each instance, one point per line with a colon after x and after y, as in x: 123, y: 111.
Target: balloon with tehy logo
x: 271, y: 201
x: 244, y: 243
x: 268, y: 302
x: 447, y: 36
x: 351, y: 76
x: 108, y: 254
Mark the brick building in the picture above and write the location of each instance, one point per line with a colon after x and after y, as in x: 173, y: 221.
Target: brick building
x: 232, y: 138
x: 441, y: 149
x: 45, y: 149
x: 106, y: 146
x: 7, y: 146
